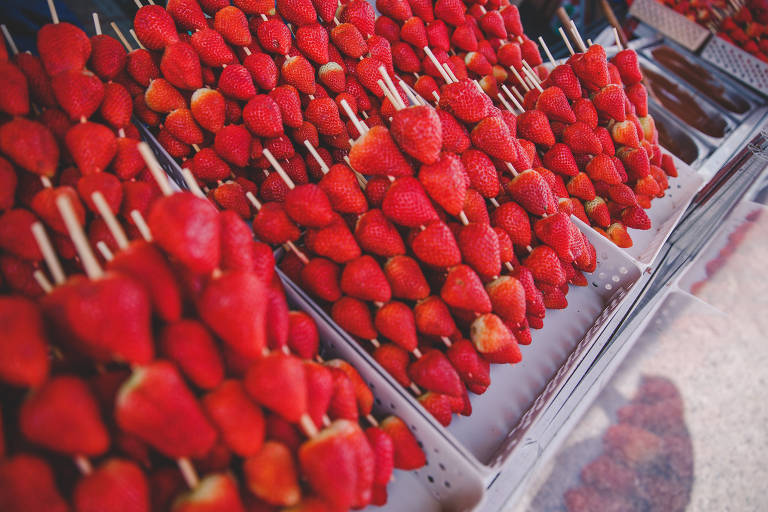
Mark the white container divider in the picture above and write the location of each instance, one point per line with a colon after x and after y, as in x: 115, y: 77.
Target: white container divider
x: 743, y: 213
x: 665, y: 213
x: 519, y: 395
x: 448, y: 482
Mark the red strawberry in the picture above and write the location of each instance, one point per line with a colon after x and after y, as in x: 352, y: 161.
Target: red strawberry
x: 445, y: 182
x: 324, y: 114
x: 585, y: 112
x: 592, y: 67
x: 564, y: 78
x: 364, y: 279
x: 262, y: 116
x: 232, y: 24
x: 464, y: 100
x: 332, y: 76
x: 233, y: 144
x: 534, y: 126
x: 405, y: 278
x: 141, y: 66
x: 353, y: 316
x: 15, y: 99
x: 348, y: 39
x: 24, y: 343
x: 155, y: 27
x: 180, y: 65
x: 308, y: 206
x: 298, y: 72
x: 211, y: 48
x: 555, y: 231
x: 40, y: 84
x: 638, y: 96
x: 531, y: 191
x: 312, y: 41
x: 581, y: 186
x: 626, y: 62
x: 408, y: 455
x: 115, y: 484
x: 472, y: 369
x: 493, y: 339
x: 239, y: 420
x: 455, y: 136
x: 397, y: 9
x: 508, y: 297
x: 396, y: 322
x: 464, y: 290
x: 406, y: 203
x: 554, y: 104
x: 193, y: 349
x: 235, y: 82
x: 601, y: 168
x: 361, y: 14
x: 479, y: 246
x: 161, y: 96
x: 544, y: 264
x: 263, y: 70
x: 343, y: 191
x: 492, y: 136
x: 302, y: 335
x: 51, y: 407
x: 450, y: 11
x: 30, y: 145
x: 560, y: 159
x: 436, y: 246
x: 617, y: 232
x: 277, y: 383
x: 598, y: 213
x: 395, y: 361
x: 300, y: 12
x: 181, y: 124
x: 62, y: 47
x: 514, y: 220
x: 321, y: 277
x: 433, y: 317
x: 274, y: 36
x: 92, y: 146
x: 28, y: 484
x: 377, y: 235
x: 334, y: 242
x: 609, y: 102
x: 79, y: 93
x: 481, y: 171
x: 187, y: 14
x: 418, y: 131
x: 581, y: 139
x: 117, y: 106
x: 635, y: 217
x: 16, y: 234
x: 237, y: 245
x: 207, y: 166
x: 271, y: 474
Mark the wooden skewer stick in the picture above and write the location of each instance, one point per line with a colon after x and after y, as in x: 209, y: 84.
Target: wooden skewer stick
x: 577, y: 36
x: 191, y: 182
x: 42, y: 281
x: 105, y: 250
x: 121, y: 36
x: 360, y: 178
x: 361, y: 128
x: 447, y: 341
x: 411, y: 96
x: 589, y: 42
x: 154, y: 168
x: 83, y: 464
x: 511, y: 169
x: 618, y: 39
x: 279, y: 168
x: 96, y: 23
x: 388, y: 94
x: 450, y: 72
x: 519, y: 78
x: 546, y: 50
x: 434, y: 60
x: 188, y: 472
x: 136, y: 38
x: 46, y: 181
x: 138, y: 4
x: 534, y: 75
x: 141, y: 225
x: 54, y: 14
x: 517, y: 93
x: 533, y: 79
x: 316, y: 155
x: 567, y: 42
x: 9, y: 39
x: 506, y: 104
x: 512, y: 98
x: 110, y: 220
x: 76, y: 233
x: 51, y: 260
x: 391, y: 85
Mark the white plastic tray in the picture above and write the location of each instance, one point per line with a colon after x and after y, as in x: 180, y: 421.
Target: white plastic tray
x: 665, y: 213
x: 670, y: 23
x: 519, y: 395
x: 448, y: 482
x: 737, y: 63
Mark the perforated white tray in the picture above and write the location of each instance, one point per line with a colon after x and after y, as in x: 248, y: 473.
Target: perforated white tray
x: 670, y: 23
x: 449, y: 482
x: 737, y: 63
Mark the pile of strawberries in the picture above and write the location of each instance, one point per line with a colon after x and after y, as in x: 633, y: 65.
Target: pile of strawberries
x: 413, y: 254
x: 175, y: 345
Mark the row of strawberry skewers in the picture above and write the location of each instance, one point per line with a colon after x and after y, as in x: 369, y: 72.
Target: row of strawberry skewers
x: 199, y: 273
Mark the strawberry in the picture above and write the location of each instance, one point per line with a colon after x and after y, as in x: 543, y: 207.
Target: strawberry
x: 581, y: 186
x: 273, y: 225
x: 592, y: 68
x: 28, y: 484
x: 192, y: 348
x: 353, y: 316
x: 601, y: 168
x: 598, y: 213
x: 554, y: 104
x: 627, y: 64
x: 396, y: 322
x: 274, y: 36
x: 50, y: 407
x: 464, y: 290
x: 161, y: 96
x: 141, y: 66
x: 436, y: 246
x: 445, y: 182
x: 477, y: 63
x: 585, y: 112
x: 308, y: 206
x: 298, y: 72
x: 262, y: 116
x: 300, y: 12
x: 40, y: 84
x: 493, y: 340
x: 455, y: 136
x: 376, y: 153
x: 348, y: 39
x: 181, y: 124
x: 647, y: 185
x: 92, y: 146
x: 377, y: 235
x: 479, y: 245
x: 581, y: 139
x: 114, y: 484
x: 531, y: 191
x: 324, y: 114
x: 481, y: 171
x: 334, y: 242
x: 26, y: 362
x: 472, y: 369
x: 180, y: 65
x: 363, y: 278
x: 408, y: 454
x: 341, y: 187
x: 231, y: 196
x: 79, y: 93
x: 507, y: 296
x: 433, y: 371
x: 668, y: 165
x: 617, y: 232
x: 450, y: 11
x: 533, y: 125
x: 624, y: 133
x: 187, y: 14
x: 635, y: 161
x: 321, y: 277
x: 463, y: 38
x: 312, y: 41
x: 30, y: 145
x: 395, y: 361
x: 560, y: 159
x: 302, y: 335
x: 207, y: 166
x: 107, y: 184
x: 15, y: 100
x: 320, y: 389
x: 635, y: 217
x: 236, y: 83
x: 418, y: 131
x: 8, y: 182
x: 361, y: 14
x: 492, y: 23
x: 530, y: 52
x: 564, y: 78
x: 233, y: 144
x: 217, y: 491
x: 638, y: 96
x: 262, y: 69
x: 271, y: 474
x: 438, y: 405
x: 62, y: 47
x: 232, y: 24
x: 117, y: 106
x: 239, y: 420
x: 277, y: 382
x: 609, y: 102
x: 433, y: 317
x: 492, y: 136
x: 405, y: 278
x: 544, y: 264
x: 514, y: 220
x: 465, y: 101
x: 399, y: 10
x: 555, y: 231
x: 154, y: 27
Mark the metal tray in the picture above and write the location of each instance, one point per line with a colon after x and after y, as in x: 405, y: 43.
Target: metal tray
x: 737, y: 63
x: 448, y: 481
x: 716, y: 72
x: 677, y: 130
x: 670, y: 23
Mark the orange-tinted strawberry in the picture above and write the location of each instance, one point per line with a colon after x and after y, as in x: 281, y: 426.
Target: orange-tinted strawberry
x: 494, y: 340
x: 62, y: 47
x: 161, y: 96
x: 232, y: 24
x: 155, y: 27
x: 50, y: 407
x: 208, y: 109
x: 180, y: 65
x: 618, y: 234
